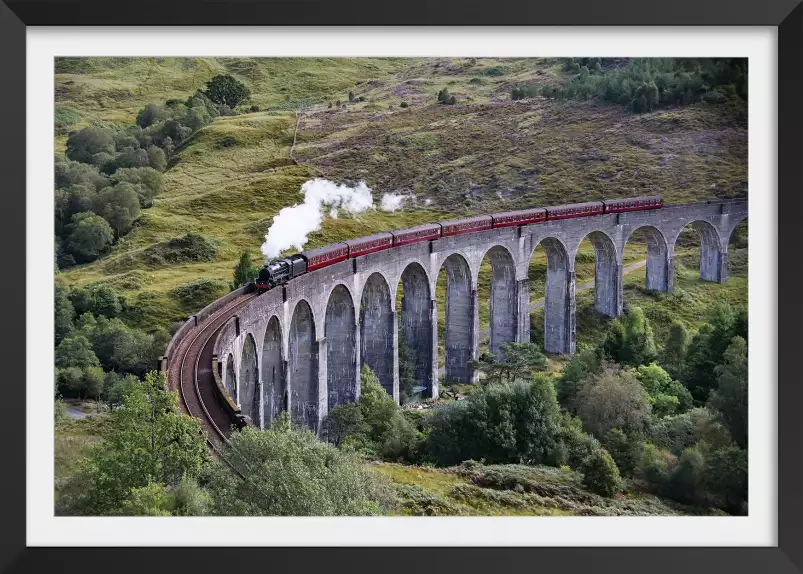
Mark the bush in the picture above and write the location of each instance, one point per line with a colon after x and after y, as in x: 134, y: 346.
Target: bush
x: 119, y: 205
x: 656, y: 467
x: 403, y: 105
x: 689, y: 481
x: 495, y: 71
x: 98, y: 300
x: 89, y: 236
x: 85, y: 143
x: 630, y: 340
x: 149, y: 182
x: 625, y: 450
x: 76, y: 351
x: 573, y: 444
x: 226, y: 91
x: 289, y: 472
x: 498, y: 423
x: 613, y: 400
x: 600, y: 474
x: 65, y: 117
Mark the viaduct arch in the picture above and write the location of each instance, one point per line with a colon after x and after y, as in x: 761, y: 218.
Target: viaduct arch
x: 300, y: 347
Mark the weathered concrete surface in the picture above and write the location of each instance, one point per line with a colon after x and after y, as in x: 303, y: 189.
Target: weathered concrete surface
x: 300, y: 339
x: 341, y: 348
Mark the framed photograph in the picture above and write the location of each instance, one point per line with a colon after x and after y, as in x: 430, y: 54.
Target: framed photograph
x: 475, y: 281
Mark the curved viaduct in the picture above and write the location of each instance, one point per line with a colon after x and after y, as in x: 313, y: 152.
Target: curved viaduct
x: 300, y: 347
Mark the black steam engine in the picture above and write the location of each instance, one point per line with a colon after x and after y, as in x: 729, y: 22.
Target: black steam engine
x: 280, y: 271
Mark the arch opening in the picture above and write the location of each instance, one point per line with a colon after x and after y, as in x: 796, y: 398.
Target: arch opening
x: 650, y: 245
x: 497, y: 299
x: 274, y: 383
x: 550, y: 274
x: 230, y: 380
x: 341, y: 359
x: 377, y: 322
x: 303, y: 367
x: 709, y: 257
x: 606, y: 273
x: 414, y: 305
x: 737, y: 250
x: 248, y: 398
x: 458, y: 327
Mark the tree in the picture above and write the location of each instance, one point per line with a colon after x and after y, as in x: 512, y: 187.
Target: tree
x: 289, y: 472
x: 89, y: 236
x: 152, y: 114
x: 149, y: 182
x: 148, y: 441
x: 600, y: 474
x: 730, y: 396
x: 226, y: 90
x: 119, y: 205
x: 707, y: 349
x: 631, y: 342
x: 98, y: 300
x: 728, y: 477
x: 76, y: 351
x: 407, y: 380
x: 157, y: 158
x: 85, y: 143
x: 575, y: 373
x: 64, y: 311
x: 689, y: 481
x: 245, y: 270
x: 675, y: 348
x: 613, y: 399
x: 656, y: 467
x: 518, y: 361
x: 667, y: 396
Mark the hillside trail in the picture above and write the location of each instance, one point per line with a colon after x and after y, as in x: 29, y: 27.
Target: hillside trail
x: 540, y: 303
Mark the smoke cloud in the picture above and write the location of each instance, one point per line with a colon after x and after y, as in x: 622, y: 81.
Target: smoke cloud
x: 391, y: 202
x: 292, y: 225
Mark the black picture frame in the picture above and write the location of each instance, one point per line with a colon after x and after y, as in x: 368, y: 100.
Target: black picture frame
x: 786, y: 15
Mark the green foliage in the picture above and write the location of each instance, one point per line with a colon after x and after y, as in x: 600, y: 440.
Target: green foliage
x: 613, y: 399
x: 574, y: 445
x: 689, y: 481
x: 407, y: 378
x: 64, y: 311
x: 351, y: 96
x: 707, y: 349
x: 148, y: 181
x: 65, y: 117
x: 120, y: 348
x: 575, y: 373
x: 517, y: 361
x: 119, y: 205
x: 678, y: 432
x: 149, y: 441
x: 149, y: 500
x: 444, y: 97
x: 667, y: 396
x: 97, y: 299
x: 377, y: 426
x: 656, y: 467
x: 730, y: 396
x: 600, y: 474
x: 404, y: 105
x: 226, y: 90
x: 494, y: 71
x: 625, y: 450
x: 524, y: 91
x: 511, y: 422
x: 630, y: 340
x: 674, y: 353
x: 289, y: 472
x: 728, y: 478
x: 646, y: 83
x: 76, y: 351
x: 84, y: 144
x: 245, y: 270
x: 89, y: 236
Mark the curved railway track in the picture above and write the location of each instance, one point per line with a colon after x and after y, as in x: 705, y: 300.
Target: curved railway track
x: 192, y: 369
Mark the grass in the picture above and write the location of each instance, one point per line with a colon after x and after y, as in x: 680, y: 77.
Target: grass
x: 72, y: 440
x: 473, y: 489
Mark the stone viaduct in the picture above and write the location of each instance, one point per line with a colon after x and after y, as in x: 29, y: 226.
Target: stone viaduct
x: 300, y: 347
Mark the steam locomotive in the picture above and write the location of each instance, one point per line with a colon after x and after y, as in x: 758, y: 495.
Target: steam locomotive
x: 280, y: 271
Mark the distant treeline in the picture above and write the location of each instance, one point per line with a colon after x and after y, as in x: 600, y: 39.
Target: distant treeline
x: 644, y: 84
x: 110, y: 173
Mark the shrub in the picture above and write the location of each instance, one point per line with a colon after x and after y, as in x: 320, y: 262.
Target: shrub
x: 64, y: 118
x: 85, y: 143
x: 600, y: 474
x: 226, y: 91
x: 89, y: 236
x: 149, y: 182
x: 289, y: 472
x: 152, y: 114
x: 689, y: 481
x: 630, y: 340
x: 498, y: 423
x: 495, y: 71
x: 98, y: 300
x: 573, y: 443
x: 403, y: 105
x: 625, y: 450
x: 613, y: 400
x: 76, y: 351
x: 119, y: 205
x: 656, y: 467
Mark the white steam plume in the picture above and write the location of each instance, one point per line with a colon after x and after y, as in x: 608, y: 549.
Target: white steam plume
x: 293, y: 224
x: 392, y: 201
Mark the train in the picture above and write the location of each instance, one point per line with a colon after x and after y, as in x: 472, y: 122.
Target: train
x: 280, y: 271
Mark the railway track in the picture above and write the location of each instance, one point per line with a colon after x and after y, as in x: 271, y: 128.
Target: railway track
x: 192, y: 369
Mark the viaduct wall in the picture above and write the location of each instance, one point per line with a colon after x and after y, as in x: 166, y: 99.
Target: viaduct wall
x: 300, y: 347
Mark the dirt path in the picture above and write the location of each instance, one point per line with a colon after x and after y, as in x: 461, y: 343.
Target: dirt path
x: 540, y: 303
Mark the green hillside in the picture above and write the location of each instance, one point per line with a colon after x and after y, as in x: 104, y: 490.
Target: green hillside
x: 484, y: 153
